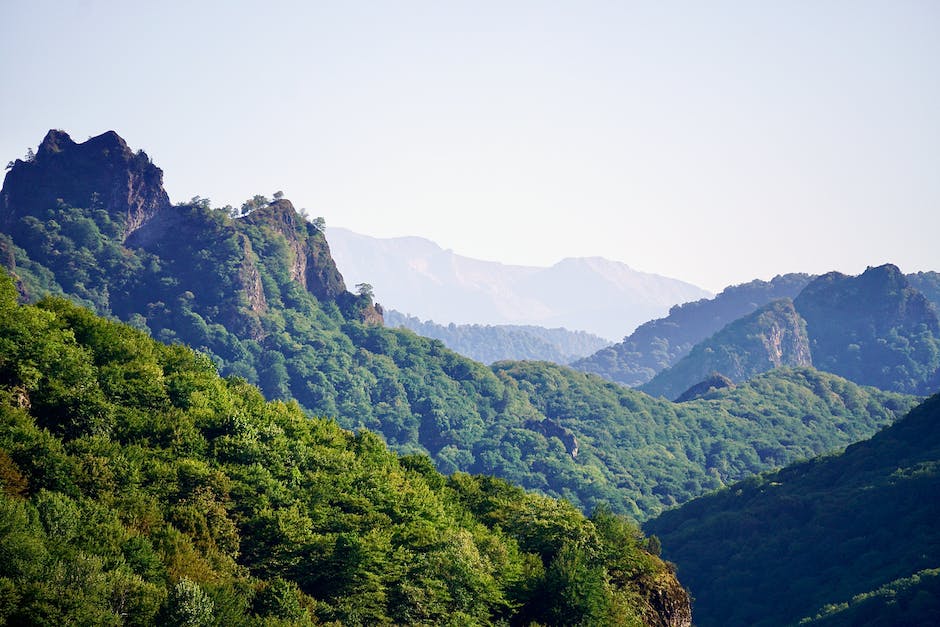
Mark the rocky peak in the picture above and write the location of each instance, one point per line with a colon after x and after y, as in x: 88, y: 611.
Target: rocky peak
x: 311, y: 263
x: 55, y: 142
x: 881, y: 296
x: 101, y: 173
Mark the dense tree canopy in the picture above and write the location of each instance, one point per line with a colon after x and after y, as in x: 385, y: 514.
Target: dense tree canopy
x: 138, y: 487
x: 847, y: 539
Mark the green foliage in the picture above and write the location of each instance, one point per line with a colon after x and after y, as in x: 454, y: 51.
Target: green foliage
x: 670, y: 453
x: 848, y: 533
x: 928, y: 284
x: 139, y: 487
x: 487, y: 344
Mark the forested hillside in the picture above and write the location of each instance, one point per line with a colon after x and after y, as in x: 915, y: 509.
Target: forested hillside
x: 138, y: 487
x: 489, y: 343
x: 255, y: 289
x: 661, y: 343
x: 847, y: 539
x: 654, y: 453
x: 874, y: 329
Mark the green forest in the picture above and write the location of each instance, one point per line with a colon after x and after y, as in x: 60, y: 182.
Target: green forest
x: 139, y: 487
x: 853, y: 535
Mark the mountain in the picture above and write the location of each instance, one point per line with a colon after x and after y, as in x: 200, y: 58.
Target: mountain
x: 487, y: 343
x: 771, y: 337
x: 260, y: 296
x: 139, y: 487
x: 847, y: 539
x: 415, y: 275
x: 874, y: 329
x: 661, y: 343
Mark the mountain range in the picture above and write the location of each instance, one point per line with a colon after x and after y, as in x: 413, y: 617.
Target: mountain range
x: 99, y: 418
x: 874, y: 329
x: 258, y: 292
x: 417, y: 277
x: 877, y: 328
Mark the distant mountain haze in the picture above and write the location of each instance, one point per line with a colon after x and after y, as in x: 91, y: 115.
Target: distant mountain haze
x: 491, y: 343
x: 416, y: 276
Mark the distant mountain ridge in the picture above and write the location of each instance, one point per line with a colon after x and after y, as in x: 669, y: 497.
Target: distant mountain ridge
x: 490, y: 343
x: 416, y: 276
x: 873, y: 329
x: 660, y: 343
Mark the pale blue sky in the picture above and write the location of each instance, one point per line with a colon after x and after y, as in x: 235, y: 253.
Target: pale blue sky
x: 710, y: 141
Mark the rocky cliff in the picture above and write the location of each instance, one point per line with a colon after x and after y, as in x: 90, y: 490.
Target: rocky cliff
x: 311, y: 263
x: 101, y: 173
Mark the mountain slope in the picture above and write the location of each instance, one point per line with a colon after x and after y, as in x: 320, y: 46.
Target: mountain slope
x: 138, y: 487
x: 658, y: 453
x: 928, y: 284
x: 660, y: 343
x: 771, y: 337
x: 416, y: 276
x: 487, y: 344
x: 820, y: 538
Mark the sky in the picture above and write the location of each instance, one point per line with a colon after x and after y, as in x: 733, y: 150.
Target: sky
x: 714, y: 142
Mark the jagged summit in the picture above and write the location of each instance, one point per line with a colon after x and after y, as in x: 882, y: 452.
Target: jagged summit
x: 100, y: 173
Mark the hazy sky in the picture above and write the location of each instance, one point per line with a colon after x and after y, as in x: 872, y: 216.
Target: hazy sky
x: 714, y: 142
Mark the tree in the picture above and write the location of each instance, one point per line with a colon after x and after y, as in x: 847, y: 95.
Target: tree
x: 189, y: 605
x: 365, y: 290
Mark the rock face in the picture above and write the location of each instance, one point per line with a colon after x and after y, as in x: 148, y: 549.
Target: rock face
x: 101, y: 173
x: 670, y: 603
x: 311, y: 263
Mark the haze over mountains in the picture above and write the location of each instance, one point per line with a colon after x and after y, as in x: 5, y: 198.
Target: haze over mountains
x: 417, y: 277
